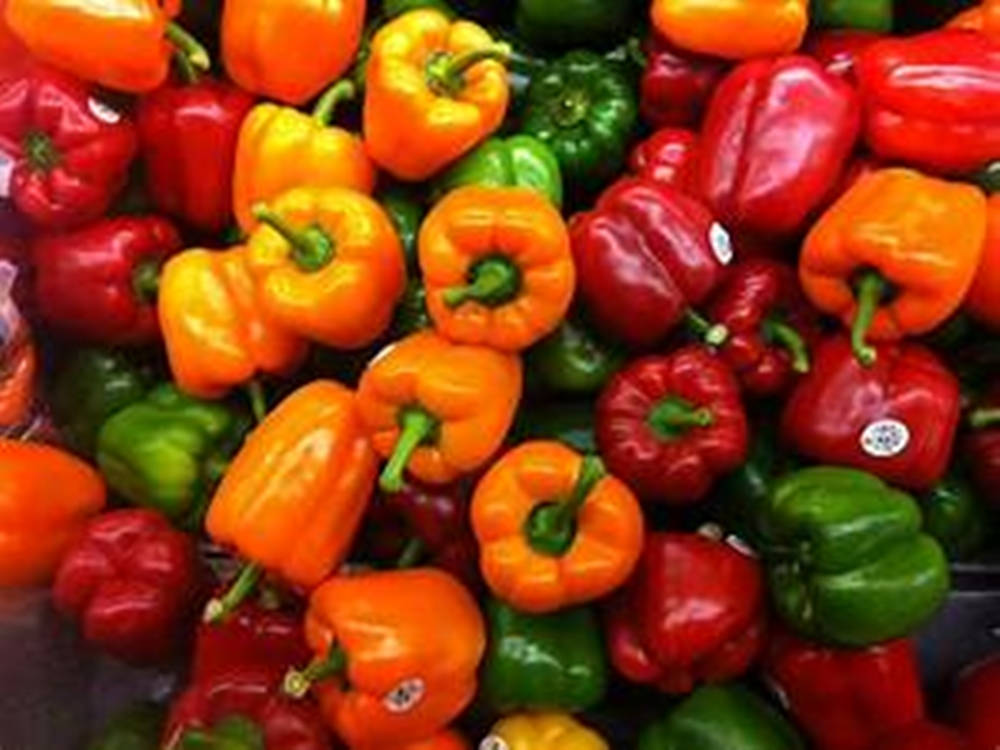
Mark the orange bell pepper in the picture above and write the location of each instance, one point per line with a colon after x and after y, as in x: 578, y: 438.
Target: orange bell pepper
x: 497, y: 266
x: 898, y: 231
x: 290, y: 50
x: 397, y: 653
x: 328, y: 265
x: 280, y: 148
x: 984, y: 18
x: 554, y: 529
x: 437, y: 409
x: 121, y: 44
x: 12, y: 52
x: 215, y: 332
x: 46, y: 497
x: 983, y: 300
x: 433, y: 90
x: 733, y: 29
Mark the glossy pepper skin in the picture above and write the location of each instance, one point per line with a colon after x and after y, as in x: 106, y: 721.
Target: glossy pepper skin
x: 70, y: 151
x: 497, y: 266
x: 982, y: 445
x: 552, y: 662
x: 571, y: 23
x: 845, y: 699
x: 983, y: 300
x: 838, y: 50
x: 955, y: 516
x: 433, y: 90
x: 847, y: 561
x: 777, y: 133
x: 646, y: 252
x: 922, y: 735
x: 131, y: 581
x: 668, y: 156
x: 694, y: 612
x: 573, y: 360
x: 975, y: 701
x: 542, y: 731
x: 99, y: 284
x: 896, y: 419
x: 670, y: 425
x: 872, y: 15
x: 40, y: 522
x: 676, y: 85
x: 554, y: 529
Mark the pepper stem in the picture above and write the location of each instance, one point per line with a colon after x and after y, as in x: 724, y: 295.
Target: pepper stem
x: 673, y: 416
x: 258, y: 401
x: 39, y: 151
x: 415, y: 427
x: 298, y: 681
x: 981, y: 418
x: 411, y: 554
x: 446, y: 72
x: 146, y: 281
x: 788, y: 337
x: 551, y: 527
x: 989, y: 177
x: 185, y: 43
x: 492, y: 282
x: 187, y: 72
x: 311, y: 248
x: 713, y: 334
x: 219, y: 608
x: 870, y: 288
x: 326, y: 105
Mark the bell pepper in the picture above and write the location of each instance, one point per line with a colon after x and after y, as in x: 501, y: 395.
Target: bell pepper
x: 433, y: 90
x: 131, y: 581
x: 922, y: 735
x: 903, y: 428
x: 670, y: 425
x: 187, y: 133
x: 721, y: 717
x: 741, y: 492
x: 497, y: 266
x: 676, y: 85
x: 552, y: 662
x: 982, y: 445
x: 406, y: 210
x: 572, y: 23
x: 386, y: 671
x: 838, y: 50
x: 446, y: 740
x: 734, y: 29
x: 955, y: 517
x: 983, y: 300
x: 847, y: 561
x: 931, y: 100
x: 46, y: 497
x: 289, y: 50
x: 64, y: 153
x: 280, y: 148
x: 975, y: 701
x: 668, y: 156
x: 845, y: 699
x: 120, y: 44
x: 327, y: 265
x: 873, y: 15
x: 18, y: 358
x: 694, y: 612
x: 99, y: 284
x: 571, y: 424
x: 12, y: 53
x: 542, y: 731
x: 436, y: 409
x: 894, y: 228
x: 554, y: 529
x: 584, y: 108
x: 167, y: 451
x: 572, y: 359
x: 136, y: 728
x: 777, y: 134
x: 984, y: 18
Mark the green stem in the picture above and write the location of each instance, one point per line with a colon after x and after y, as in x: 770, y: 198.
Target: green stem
x: 219, y: 608
x: 672, y: 417
x: 412, y: 553
x: 297, y: 682
x: 188, y: 46
x: 311, y: 248
x: 492, y: 282
x: 446, y: 73
x: 981, y: 418
x: 551, y: 527
x: 989, y: 177
x: 258, y: 402
x: 416, y: 426
x: 187, y: 72
x: 146, y: 281
x: 572, y: 108
x: 870, y: 288
x: 788, y: 337
x: 39, y: 151
x: 713, y: 334
x: 341, y: 91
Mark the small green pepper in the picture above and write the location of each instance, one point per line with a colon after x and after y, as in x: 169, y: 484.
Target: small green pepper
x: 406, y: 214
x: 871, y: 15
x: 572, y: 359
x: 955, y: 517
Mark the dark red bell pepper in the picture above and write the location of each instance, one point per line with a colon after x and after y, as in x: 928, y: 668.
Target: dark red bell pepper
x: 64, y: 153
x: 133, y: 583
x: 933, y: 100
x: 669, y: 426
x: 777, y: 134
x: 922, y: 735
x: 676, y: 85
x: 845, y: 699
x: 975, y: 702
x: 982, y: 446
x: 645, y: 255
x: 98, y: 284
x: 838, y: 50
x: 693, y: 612
x: 188, y: 133
x: 668, y: 156
x: 896, y: 418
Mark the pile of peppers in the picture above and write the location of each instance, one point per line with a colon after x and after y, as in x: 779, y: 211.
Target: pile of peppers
x: 525, y: 375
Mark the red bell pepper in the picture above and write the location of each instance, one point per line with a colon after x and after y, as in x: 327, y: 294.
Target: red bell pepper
x: 933, y: 100
x: 669, y: 156
x: 838, y: 50
x: 188, y: 134
x: 896, y: 418
x: 922, y: 735
x: 845, y: 699
x: 64, y: 154
x: 975, y: 704
x: 98, y: 284
x: 133, y: 582
x: 646, y: 252
x: 693, y: 612
x: 982, y: 446
x: 777, y: 134
x: 676, y: 85
x: 669, y: 426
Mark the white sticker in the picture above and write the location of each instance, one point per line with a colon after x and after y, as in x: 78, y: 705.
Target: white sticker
x: 494, y: 742
x: 404, y: 696
x: 722, y: 245
x: 6, y: 173
x: 885, y: 438
x: 741, y: 546
x: 103, y: 112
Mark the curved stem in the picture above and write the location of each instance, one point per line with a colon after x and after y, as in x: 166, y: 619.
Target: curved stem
x: 258, y: 402
x: 298, y: 681
x: 219, y: 608
x: 326, y: 105
x: 791, y: 340
x: 673, y: 416
x: 412, y: 553
x: 492, y: 282
x: 446, y: 73
x: 185, y: 43
x: 146, y: 281
x: 416, y: 426
x: 713, y: 334
x: 186, y: 71
x: 552, y: 526
x: 986, y: 417
x: 311, y: 248
x: 869, y: 293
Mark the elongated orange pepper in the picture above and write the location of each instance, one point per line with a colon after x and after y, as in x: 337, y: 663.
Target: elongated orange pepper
x: 121, y: 44
x: 433, y: 90
x: 895, y: 255
x: 280, y: 148
x: 397, y: 653
x: 437, y: 409
x: 734, y: 29
x: 46, y: 497
x: 983, y: 300
x: 215, y: 332
x: 497, y: 266
x: 553, y: 528
x: 328, y: 265
x: 984, y: 18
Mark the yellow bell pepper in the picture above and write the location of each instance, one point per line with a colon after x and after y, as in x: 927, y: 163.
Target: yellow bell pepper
x: 544, y: 731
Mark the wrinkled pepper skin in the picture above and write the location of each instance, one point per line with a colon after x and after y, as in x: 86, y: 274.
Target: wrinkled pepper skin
x: 571, y: 23
x: 871, y: 15
x: 983, y: 300
x: 777, y: 134
x: 956, y: 517
x: 573, y: 360
x: 848, y: 563
x: 70, y: 151
x: 975, y: 702
x: 922, y: 735
x: 542, y: 731
x: 982, y: 447
x: 676, y: 85
x: 131, y: 581
x: 668, y: 156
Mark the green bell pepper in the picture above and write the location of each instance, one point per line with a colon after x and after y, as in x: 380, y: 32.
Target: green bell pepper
x: 169, y: 450
x: 231, y: 733
x: 572, y: 359
x: 584, y: 107
x: 411, y: 310
x: 573, y: 23
x: 406, y: 214
x: 847, y: 560
x: 871, y: 15
x: 552, y: 662
x: 136, y: 728
x: 569, y: 423
x: 721, y: 717
x: 955, y: 517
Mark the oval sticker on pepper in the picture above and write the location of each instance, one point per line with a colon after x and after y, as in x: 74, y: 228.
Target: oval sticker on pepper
x: 404, y: 696
x: 493, y: 742
x: 885, y: 438
x: 722, y: 244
